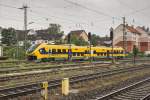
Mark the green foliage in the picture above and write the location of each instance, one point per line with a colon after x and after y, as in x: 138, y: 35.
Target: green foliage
x: 95, y: 39
x: 135, y: 51
x: 130, y: 55
x: 148, y: 55
x: 78, y: 42
x: 9, y: 36
x: 14, y: 52
x: 141, y: 54
x: 55, y: 31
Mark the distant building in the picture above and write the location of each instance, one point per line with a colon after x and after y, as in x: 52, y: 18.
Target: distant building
x: 144, y: 39
x: 80, y: 34
x: 38, y: 36
x: 132, y: 37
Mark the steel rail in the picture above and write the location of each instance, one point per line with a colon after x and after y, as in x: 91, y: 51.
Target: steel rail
x: 126, y: 90
x: 35, y: 87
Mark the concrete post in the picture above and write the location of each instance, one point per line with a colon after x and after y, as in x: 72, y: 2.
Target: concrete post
x: 65, y: 86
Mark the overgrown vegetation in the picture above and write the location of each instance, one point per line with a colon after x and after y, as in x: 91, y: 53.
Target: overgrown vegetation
x: 14, y: 52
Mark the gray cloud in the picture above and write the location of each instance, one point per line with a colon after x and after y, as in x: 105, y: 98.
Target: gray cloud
x: 92, y: 15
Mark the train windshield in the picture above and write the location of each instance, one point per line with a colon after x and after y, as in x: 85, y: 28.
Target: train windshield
x: 32, y: 48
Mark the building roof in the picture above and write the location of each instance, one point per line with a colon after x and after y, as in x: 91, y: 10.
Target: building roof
x: 77, y: 32
x: 132, y: 29
x: 143, y: 31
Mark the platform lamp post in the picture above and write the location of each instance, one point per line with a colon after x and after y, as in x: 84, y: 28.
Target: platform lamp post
x: 112, y: 43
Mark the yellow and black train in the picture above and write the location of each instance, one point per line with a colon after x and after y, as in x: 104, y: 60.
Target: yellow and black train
x: 45, y: 51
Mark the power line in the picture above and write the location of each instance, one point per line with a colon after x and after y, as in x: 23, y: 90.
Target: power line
x: 139, y: 10
x: 60, y: 18
x: 8, y: 6
x: 134, y: 11
x: 92, y: 10
x: 82, y: 6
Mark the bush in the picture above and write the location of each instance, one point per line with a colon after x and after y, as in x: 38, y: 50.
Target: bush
x: 14, y: 52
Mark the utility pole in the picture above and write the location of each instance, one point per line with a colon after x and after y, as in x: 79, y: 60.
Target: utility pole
x: 124, y: 36
x: 25, y: 7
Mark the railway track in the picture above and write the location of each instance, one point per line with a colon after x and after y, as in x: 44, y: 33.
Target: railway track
x: 55, y: 66
x: 136, y: 91
x: 35, y: 87
x: 8, y: 77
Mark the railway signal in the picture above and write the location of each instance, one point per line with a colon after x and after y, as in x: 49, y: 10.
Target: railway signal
x: 69, y: 38
x: 111, y: 34
x: 89, y: 36
x: 111, y: 37
x: 69, y: 50
x: 89, y: 39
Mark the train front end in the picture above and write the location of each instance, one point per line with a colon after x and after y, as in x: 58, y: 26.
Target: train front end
x: 31, y: 52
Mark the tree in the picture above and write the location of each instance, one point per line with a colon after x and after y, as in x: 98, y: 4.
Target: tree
x: 55, y: 31
x: 135, y: 52
x: 9, y: 36
x: 95, y: 39
x: 78, y: 42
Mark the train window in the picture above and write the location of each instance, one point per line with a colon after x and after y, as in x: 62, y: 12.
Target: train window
x: 59, y: 51
x: 64, y: 50
x: 86, y: 52
x: 117, y: 51
x: 42, y: 51
x: 122, y: 51
x: 82, y: 54
x: 94, y: 51
x: 74, y: 54
x: 108, y: 52
x: 78, y: 54
x: 53, y: 51
x: 104, y: 54
x: 50, y: 51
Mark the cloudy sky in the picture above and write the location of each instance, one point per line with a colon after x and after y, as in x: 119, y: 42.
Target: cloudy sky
x: 95, y: 16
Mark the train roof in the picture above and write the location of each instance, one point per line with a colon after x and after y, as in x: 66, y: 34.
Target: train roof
x: 74, y: 46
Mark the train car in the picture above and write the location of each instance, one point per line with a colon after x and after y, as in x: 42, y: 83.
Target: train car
x: 47, y: 52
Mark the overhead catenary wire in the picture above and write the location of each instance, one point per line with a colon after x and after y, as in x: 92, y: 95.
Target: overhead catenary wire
x: 8, y: 6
